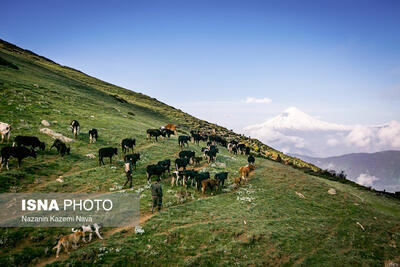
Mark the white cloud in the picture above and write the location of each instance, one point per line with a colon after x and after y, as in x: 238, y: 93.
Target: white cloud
x: 250, y: 100
x: 366, y: 179
x: 360, y: 136
x: 332, y: 141
x: 390, y: 134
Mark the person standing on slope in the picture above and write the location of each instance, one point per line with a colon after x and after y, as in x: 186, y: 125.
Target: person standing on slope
x: 128, y: 171
x: 156, y: 194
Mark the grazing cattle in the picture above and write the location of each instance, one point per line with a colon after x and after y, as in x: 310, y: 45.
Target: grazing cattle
x: 184, y: 176
x: 187, y: 154
x: 31, y: 141
x: 208, y: 183
x: 211, y: 153
x: 167, y: 132
x: 196, y: 138
x: 200, y: 177
x: 197, y: 160
x: 234, y: 150
x: 245, y: 171
x: 221, y: 177
x: 241, y: 148
x: 133, y: 158
x: 183, y: 139
x: 251, y: 159
x: 16, y: 152
x: 237, y: 181
x: 156, y: 170
x: 171, y: 127
x: 5, y: 131
x: 181, y: 163
x: 155, y: 133
x: 217, y: 139
x: 128, y: 143
x: 93, y: 135
x: 61, y: 147
x: 107, y: 152
x: 247, y: 151
x: 166, y: 164
x: 75, y: 128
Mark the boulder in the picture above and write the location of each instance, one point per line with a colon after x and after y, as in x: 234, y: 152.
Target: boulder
x: 45, y: 123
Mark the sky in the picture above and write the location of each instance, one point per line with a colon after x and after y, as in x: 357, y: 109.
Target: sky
x: 236, y: 63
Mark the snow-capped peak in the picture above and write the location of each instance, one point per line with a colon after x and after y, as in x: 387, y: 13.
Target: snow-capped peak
x: 295, y: 119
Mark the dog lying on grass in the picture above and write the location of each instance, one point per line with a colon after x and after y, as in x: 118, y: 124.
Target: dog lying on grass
x: 90, y: 229
x: 67, y: 240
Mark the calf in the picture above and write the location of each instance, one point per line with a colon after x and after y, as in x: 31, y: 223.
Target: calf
x: 75, y: 127
x: 167, y: 132
x: 197, y: 160
x: 221, y: 177
x: 245, y: 171
x: 181, y: 163
x: 200, y: 177
x: 241, y: 148
x: 251, y: 159
x: 196, y: 138
x: 208, y: 183
x: 166, y: 164
x: 107, y: 152
x: 93, y: 135
x: 187, y: 154
x: 154, y: 132
x: 17, y: 152
x: 61, y: 147
x: 133, y: 158
x: 183, y: 139
x: 5, y: 131
x: 31, y: 141
x: 156, y: 170
x: 128, y: 143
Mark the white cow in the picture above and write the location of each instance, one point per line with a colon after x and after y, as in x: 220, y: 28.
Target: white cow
x: 5, y: 131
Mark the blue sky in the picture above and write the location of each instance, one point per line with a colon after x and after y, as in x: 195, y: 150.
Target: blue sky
x: 338, y: 60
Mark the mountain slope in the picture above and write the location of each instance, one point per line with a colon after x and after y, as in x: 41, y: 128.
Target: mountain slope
x: 383, y: 168
x: 263, y: 223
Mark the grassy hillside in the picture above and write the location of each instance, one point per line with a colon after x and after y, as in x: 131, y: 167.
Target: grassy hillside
x: 263, y: 223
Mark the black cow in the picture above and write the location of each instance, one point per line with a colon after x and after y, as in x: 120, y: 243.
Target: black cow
x: 200, y: 177
x: 166, y: 164
x: 93, y: 135
x: 107, y: 152
x: 221, y: 177
x: 18, y: 152
x: 197, y: 138
x: 128, y: 143
x: 181, y: 163
x: 187, y: 154
x: 133, y: 158
x: 183, y: 139
x: 167, y: 132
x: 31, y: 141
x: 189, y: 174
x: 75, y: 127
x: 154, y: 132
x: 156, y: 170
x: 241, y: 148
x: 61, y: 147
x: 197, y: 160
x: 251, y: 159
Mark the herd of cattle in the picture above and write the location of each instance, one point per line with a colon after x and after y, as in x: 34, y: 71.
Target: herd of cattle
x: 24, y: 146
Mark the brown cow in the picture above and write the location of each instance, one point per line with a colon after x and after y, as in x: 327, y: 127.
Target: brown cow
x: 211, y: 183
x: 245, y: 170
x: 171, y: 127
x: 237, y: 181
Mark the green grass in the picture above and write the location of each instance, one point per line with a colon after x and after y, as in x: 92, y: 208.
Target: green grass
x: 262, y: 223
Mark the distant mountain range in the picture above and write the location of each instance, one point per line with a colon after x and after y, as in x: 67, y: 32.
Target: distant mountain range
x: 381, y: 170
x: 294, y: 131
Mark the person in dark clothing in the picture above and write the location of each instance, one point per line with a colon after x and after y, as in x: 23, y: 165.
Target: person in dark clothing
x: 156, y: 194
x: 128, y: 171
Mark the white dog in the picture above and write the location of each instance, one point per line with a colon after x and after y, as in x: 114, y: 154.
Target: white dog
x: 90, y: 229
